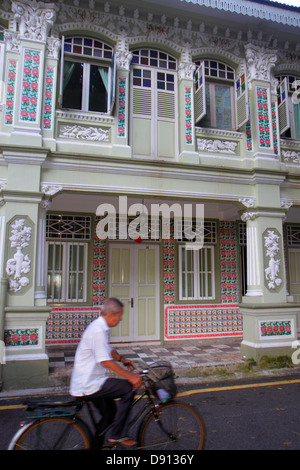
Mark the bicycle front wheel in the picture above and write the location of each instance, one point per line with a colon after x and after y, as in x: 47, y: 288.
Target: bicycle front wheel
x: 58, y: 433
x: 178, y: 427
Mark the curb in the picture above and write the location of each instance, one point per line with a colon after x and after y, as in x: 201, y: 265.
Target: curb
x: 218, y: 372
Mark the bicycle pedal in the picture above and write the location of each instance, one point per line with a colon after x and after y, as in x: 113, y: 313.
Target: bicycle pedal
x: 108, y: 446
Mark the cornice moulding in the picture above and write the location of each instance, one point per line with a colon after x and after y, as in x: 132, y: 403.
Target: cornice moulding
x: 252, y: 9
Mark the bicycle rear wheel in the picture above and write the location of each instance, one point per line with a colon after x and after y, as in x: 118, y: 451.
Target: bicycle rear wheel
x: 57, y: 433
x: 179, y: 427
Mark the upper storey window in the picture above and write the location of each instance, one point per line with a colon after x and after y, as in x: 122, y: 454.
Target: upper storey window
x: 289, y: 106
x: 86, y: 75
x: 153, y: 104
x: 220, y: 98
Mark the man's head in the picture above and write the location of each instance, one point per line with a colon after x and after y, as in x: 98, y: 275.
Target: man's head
x: 112, y: 311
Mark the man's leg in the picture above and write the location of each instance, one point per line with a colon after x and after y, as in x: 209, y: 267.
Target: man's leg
x: 116, y: 388
x: 107, y: 408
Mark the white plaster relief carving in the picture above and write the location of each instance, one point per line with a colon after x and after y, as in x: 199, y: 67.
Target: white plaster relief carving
x: 20, y: 263
x: 248, y: 216
x: 214, y: 145
x: 85, y: 133
x: 291, y: 155
x: 50, y: 190
x: 286, y: 203
x: 186, y: 71
x: 272, y: 249
x: 53, y: 48
x: 247, y: 201
x: 260, y: 62
x: 12, y: 41
x: 34, y: 19
x: 123, y: 60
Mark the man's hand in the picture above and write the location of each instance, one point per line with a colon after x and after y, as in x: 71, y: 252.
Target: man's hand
x: 136, y: 381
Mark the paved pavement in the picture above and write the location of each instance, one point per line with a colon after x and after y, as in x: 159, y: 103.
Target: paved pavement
x: 204, y: 360
x: 189, y: 358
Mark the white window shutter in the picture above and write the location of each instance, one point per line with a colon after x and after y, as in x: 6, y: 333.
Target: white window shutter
x: 113, y: 77
x: 241, y: 101
x: 283, y: 106
x: 200, y: 97
x: 61, y: 80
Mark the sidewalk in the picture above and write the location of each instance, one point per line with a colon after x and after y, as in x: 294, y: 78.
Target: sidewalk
x: 206, y: 360
x: 187, y: 358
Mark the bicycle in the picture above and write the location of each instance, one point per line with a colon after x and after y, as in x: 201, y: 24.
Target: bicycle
x: 161, y: 426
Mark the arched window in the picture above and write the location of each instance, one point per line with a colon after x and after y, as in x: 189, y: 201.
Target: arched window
x: 86, y: 74
x: 154, y: 103
x: 289, y: 105
x: 220, y: 98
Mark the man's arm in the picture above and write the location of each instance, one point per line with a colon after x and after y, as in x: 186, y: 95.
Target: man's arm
x: 117, y: 357
x: 133, y: 378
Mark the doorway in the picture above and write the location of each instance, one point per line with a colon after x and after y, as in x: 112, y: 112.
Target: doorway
x: 134, y: 279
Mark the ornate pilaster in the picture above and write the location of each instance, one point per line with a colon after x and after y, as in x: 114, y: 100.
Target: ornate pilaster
x: 186, y: 109
x: 263, y: 105
x: 270, y: 322
x: 123, y: 61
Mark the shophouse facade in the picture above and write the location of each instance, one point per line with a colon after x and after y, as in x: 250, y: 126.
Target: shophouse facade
x: 116, y: 117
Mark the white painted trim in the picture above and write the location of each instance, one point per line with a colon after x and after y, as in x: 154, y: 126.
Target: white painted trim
x: 26, y: 357
x: 267, y: 345
x: 253, y: 9
x: 150, y: 192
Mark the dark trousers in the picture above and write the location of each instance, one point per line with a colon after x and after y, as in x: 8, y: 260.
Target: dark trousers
x: 119, y: 413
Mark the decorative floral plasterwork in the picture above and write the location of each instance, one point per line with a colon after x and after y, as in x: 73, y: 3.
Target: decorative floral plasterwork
x: 272, y: 248
x: 248, y: 216
x: 260, y: 62
x: 85, y: 133
x: 12, y: 41
x: 53, y: 48
x: 34, y: 19
x: 214, y: 145
x: 247, y: 201
x: 186, y: 71
x: 20, y: 263
x: 50, y: 190
x: 286, y: 203
x: 291, y: 155
x: 123, y: 60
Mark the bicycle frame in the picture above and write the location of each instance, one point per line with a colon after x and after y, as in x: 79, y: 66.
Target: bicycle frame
x: 55, y: 409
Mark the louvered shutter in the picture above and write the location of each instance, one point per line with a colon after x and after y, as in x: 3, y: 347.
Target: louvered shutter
x: 165, y: 124
x: 61, y: 81
x: 142, y: 102
x: 241, y: 101
x: 200, y: 98
x: 113, y: 76
x: 165, y: 105
x: 283, y: 106
x: 142, y: 113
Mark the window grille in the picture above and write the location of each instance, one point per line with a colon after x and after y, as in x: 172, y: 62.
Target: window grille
x: 72, y: 227
x: 242, y: 234
x: 208, y: 229
x: 293, y: 235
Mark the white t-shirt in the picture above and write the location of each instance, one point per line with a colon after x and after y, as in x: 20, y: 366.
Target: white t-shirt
x: 88, y: 374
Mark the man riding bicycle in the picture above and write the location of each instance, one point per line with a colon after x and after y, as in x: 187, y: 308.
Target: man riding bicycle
x: 94, y: 360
